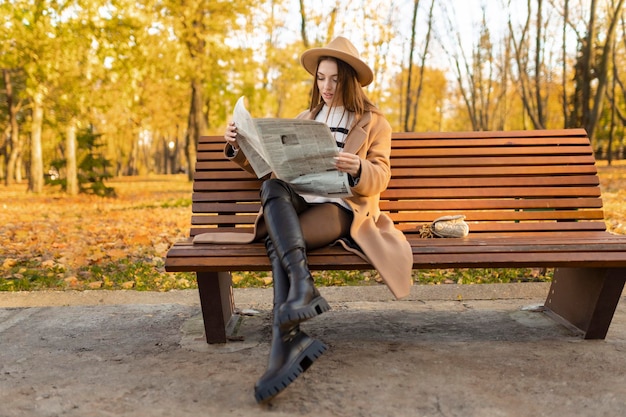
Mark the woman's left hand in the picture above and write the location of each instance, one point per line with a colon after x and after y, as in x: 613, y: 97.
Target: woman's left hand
x: 349, y: 163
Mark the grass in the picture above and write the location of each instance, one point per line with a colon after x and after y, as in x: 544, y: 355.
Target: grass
x: 52, y: 241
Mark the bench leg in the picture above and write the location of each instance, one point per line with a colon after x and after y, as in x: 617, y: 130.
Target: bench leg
x: 586, y: 298
x: 216, y: 300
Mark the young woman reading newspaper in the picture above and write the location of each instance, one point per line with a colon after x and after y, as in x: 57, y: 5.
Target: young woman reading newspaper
x: 291, y: 224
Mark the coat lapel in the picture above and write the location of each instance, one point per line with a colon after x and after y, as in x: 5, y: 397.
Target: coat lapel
x: 356, y: 137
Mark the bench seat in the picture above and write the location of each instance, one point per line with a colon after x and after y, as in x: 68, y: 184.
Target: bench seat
x: 531, y: 198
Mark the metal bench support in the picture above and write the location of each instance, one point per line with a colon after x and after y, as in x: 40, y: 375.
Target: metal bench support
x: 586, y: 298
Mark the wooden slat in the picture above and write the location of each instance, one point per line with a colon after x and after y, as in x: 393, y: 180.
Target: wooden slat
x: 233, y: 207
x: 516, y: 227
x: 491, y: 161
x: 520, y: 192
x: 435, y: 205
x: 215, y: 165
x: 482, y: 135
x: 446, y: 172
x: 236, y: 174
x: 411, y: 142
x: 242, y: 184
x: 524, y: 215
x: 527, y: 181
x: 507, y: 152
x: 223, y: 219
x: 225, y: 196
x: 196, y: 230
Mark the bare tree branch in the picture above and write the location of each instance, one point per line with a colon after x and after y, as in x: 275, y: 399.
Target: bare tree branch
x: 410, y: 64
x: 423, y: 65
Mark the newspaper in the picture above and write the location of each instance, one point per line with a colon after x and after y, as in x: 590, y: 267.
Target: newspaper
x: 300, y: 152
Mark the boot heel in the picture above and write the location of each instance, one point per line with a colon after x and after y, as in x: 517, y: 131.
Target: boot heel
x: 289, y: 316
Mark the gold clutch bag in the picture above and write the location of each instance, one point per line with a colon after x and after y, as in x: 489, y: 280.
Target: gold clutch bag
x: 446, y: 226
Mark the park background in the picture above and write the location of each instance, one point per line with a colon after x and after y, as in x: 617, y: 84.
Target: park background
x: 102, y: 102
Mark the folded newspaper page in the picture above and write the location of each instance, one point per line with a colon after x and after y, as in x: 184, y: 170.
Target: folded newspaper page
x: 300, y: 152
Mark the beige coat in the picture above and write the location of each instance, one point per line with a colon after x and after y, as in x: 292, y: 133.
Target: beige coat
x: 384, y: 246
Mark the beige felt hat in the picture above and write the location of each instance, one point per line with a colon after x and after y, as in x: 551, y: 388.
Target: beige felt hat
x: 340, y: 48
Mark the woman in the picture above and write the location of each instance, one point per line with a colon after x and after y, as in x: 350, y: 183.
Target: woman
x: 293, y: 224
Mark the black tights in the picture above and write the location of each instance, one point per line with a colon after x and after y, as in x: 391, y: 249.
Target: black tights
x: 321, y: 223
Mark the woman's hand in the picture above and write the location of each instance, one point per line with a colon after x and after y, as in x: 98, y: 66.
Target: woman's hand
x: 349, y: 163
x: 231, y: 135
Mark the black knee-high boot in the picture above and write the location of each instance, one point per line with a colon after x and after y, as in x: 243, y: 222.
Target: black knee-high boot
x: 283, y: 227
x: 292, y: 351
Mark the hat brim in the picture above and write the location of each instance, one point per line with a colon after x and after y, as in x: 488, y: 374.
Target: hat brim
x: 310, y: 58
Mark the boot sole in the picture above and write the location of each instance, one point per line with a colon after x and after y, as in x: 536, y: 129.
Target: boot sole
x: 309, y: 354
x: 288, y: 317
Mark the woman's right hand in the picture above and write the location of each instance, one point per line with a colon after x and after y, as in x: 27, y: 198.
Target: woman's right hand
x: 231, y: 135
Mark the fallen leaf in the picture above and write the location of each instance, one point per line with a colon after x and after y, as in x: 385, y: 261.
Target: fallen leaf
x: 72, y: 281
x: 116, y: 254
x: 9, y: 263
x: 48, y: 264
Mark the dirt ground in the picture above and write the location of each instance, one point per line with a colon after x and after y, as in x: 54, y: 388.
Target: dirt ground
x: 446, y: 351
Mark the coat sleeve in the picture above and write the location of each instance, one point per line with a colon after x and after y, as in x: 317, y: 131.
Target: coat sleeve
x: 238, y: 157
x: 375, y: 158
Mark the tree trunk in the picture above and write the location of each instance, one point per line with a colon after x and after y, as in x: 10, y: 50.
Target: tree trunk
x: 588, y: 58
x: 19, y: 164
x: 531, y: 99
x: 539, y: 66
x: 408, y: 105
x: 603, y: 73
x: 303, y: 19
x: 71, y: 170
x: 14, y: 143
x: 420, y: 84
x: 35, y: 181
x: 196, y: 126
x: 564, y: 65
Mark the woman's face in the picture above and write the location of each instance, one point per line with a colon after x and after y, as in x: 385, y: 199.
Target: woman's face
x: 327, y: 81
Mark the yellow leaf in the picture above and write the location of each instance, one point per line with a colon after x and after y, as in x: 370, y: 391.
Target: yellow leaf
x: 9, y: 263
x: 72, y: 281
x: 116, y: 254
x: 96, y: 256
x: 48, y: 264
x: 141, y: 239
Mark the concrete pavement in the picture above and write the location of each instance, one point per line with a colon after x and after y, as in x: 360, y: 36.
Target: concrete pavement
x: 476, y: 350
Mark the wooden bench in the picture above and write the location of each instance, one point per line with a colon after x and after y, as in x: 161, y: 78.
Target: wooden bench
x: 532, y: 199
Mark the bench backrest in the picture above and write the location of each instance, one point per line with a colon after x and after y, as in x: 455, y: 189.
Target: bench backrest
x: 505, y: 183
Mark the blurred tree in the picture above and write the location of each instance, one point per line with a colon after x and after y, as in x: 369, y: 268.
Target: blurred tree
x: 593, y: 65
x: 531, y: 68
x: 29, y: 41
x: 149, y: 76
x: 13, y: 143
x: 201, y: 26
x: 482, y: 77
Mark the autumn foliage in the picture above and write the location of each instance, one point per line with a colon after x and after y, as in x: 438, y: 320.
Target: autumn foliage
x: 89, y: 242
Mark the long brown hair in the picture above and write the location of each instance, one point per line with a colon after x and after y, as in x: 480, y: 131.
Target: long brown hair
x: 354, y: 98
